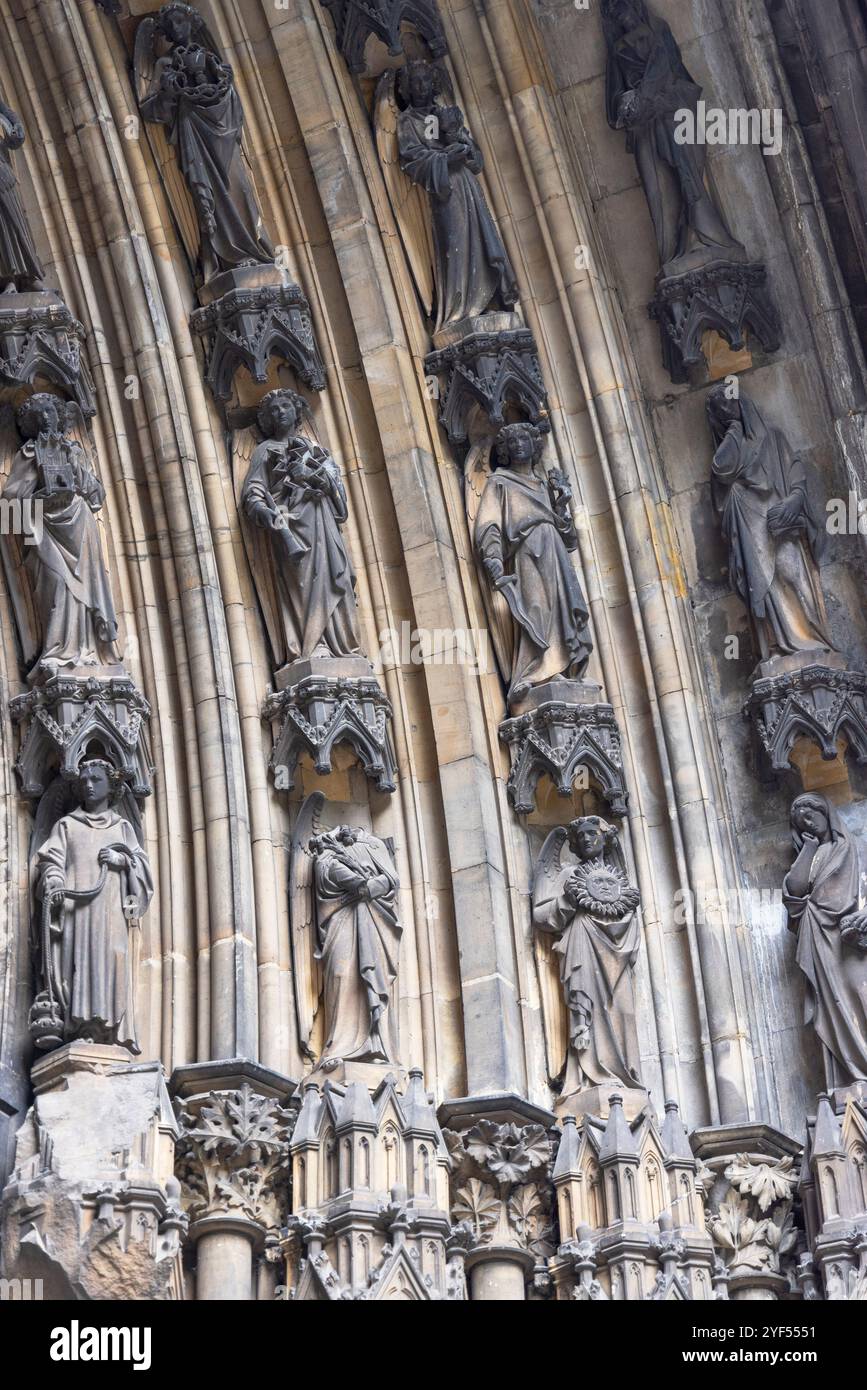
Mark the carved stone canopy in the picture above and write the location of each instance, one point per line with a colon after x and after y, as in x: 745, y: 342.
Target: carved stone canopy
x: 356, y: 20
x: 728, y: 298
x: 819, y: 702
x: 491, y: 369
x: 566, y: 741
x: 39, y: 338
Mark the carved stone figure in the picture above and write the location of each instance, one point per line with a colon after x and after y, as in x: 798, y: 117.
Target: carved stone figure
x: 191, y: 91
x: 293, y: 491
x: 821, y: 894
x: 523, y: 534
x: 20, y: 266
x: 590, y: 910
x: 92, y: 882
x: 346, y: 932
x: 451, y: 230
x: 774, y: 533
x: 64, y: 609
x: 646, y: 85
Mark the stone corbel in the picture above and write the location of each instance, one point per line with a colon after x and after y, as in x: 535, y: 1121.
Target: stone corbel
x: 727, y: 298
x: 40, y: 338
x: 821, y: 703
x: 493, y: 367
x: 356, y: 20
x: 570, y: 741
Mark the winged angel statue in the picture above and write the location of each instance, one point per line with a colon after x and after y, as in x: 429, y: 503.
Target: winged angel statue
x: 345, y: 940
x: 585, y: 913
x: 431, y: 165
x: 184, y: 87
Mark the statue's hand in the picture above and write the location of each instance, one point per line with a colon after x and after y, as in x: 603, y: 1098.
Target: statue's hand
x: 786, y: 515
x: 629, y: 110
x: 853, y: 931
x: 277, y: 521
x: 456, y: 155
x: 15, y: 136
x: 112, y: 858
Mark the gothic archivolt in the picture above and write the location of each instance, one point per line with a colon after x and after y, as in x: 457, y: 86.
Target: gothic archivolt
x: 297, y: 352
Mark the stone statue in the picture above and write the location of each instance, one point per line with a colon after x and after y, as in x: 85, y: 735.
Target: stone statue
x: 523, y: 535
x: 646, y: 86
x: 346, y: 939
x: 192, y: 92
x: 72, y: 620
x: 93, y: 881
x: 294, y: 492
x: 452, y: 227
x: 590, y: 910
x: 20, y: 267
x: 774, y: 533
x: 821, y: 894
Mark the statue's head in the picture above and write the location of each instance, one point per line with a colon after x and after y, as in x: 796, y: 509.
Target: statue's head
x: 178, y: 23
x: 420, y: 82
x: 280, y: 411
x: 41, y: 413
x: 341, y: 835
x: 722, y: 407
x: 811, y: 815
x: 624, y: 15
x: 98, y: 784
x: 521, y: 443
x: 590, y: 836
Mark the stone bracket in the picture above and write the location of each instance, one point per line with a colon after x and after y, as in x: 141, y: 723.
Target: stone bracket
x: 819, y: 703
x: 60, y: 718
x: 559, y: 739
x: 247, y: 326
x: 40, y: 337
x: 319, y: 712
x: 356, y: 20
x: 727, y: 297
x: 489, y: 370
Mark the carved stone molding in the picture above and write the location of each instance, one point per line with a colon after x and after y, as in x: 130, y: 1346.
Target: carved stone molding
x: 61, y: 718
x: 233, y: 1156
x: 819, y: 702
x: 750, y: 1176
x: 833, y: 1192
x: 561, y: 738
x: 488, y: 370
x: 318, y: 712
x: 356, y: 20
x: 40, y: 338
x: 247, y: 317
x: 727, y: 297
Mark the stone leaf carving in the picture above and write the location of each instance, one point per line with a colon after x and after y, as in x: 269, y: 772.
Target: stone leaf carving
x: 500, y: 1184
x: 754, y: 1225
x: 233, y: 1155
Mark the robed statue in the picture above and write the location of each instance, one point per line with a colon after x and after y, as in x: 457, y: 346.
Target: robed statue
x: 57, y: 577
x: 294, y: 494
x: 774, y: 531
x: 92, y: 882
x: 524, y: 535
x: 431, y: 165
x: 184, y: 85
x: 345, y: 939
x: 822, y: 896
x: 20, y: 266
x: 585, y: 915
x: 648, y: 89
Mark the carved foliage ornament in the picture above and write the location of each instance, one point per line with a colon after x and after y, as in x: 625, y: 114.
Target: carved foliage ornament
x: 233, y: 1155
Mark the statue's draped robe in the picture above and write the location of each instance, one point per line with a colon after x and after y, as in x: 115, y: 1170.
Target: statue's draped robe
x: 597, y: 955
x: 313, y: 571
x: 690, y: 231
x: 359, y: 947
x: 753, y: 469
x: 472, y: 272
x: 65, y: 564
x: 18, y: 256
x: 516, y: 526
x: 207, y: 136
x: 95, y: 958
x: 836, y: 974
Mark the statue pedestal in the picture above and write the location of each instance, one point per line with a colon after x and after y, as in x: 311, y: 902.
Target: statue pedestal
x: 596, y: 1100
x: 370, y: 1074
x: 324, y: 701
x: 249, y: 315
x: 565, y: 730
x: 40, y: 338
x: 487, y: 363
x: 726, y: 296
x: 92, y: 1206
x: 812, y: 702
x: 62, y: 717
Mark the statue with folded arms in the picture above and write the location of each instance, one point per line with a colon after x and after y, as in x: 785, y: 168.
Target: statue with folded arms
x: 20, y: 267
